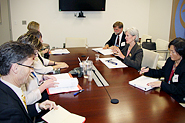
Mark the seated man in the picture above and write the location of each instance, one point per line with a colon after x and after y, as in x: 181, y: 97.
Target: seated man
x: 118, y: 37
x: 16, y: 61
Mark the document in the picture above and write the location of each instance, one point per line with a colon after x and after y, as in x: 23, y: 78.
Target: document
x: 66, y: 84
x: 60, y: 51
x: 61, y: 115
x: 103, y: 51
x: 142, y: 81
x: 113, y: 62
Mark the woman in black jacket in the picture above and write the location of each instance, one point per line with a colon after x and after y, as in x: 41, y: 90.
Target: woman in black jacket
x: 173, y: 71
x: 132, y: 53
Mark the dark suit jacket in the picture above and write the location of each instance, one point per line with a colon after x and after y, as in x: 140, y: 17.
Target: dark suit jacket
x: 175, y: 89
x: 111, y: 42
x: 11, y: 108
x: 134, y: 59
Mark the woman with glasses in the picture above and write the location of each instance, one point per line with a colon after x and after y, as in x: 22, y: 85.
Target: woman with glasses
x: 173, y: 71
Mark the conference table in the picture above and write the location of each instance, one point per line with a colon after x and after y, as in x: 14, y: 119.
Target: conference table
x: 135, y: 105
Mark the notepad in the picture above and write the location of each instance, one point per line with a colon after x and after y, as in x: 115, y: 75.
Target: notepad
x: 66, y: 84
x: 61, y: 115
x: 103, y: 51
x: 60, y: 51
x: 142, y: 81
x: 115, y: 60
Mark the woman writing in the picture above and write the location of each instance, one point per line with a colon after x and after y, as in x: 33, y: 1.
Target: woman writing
x: 131, y: 54
x: 173, y: 71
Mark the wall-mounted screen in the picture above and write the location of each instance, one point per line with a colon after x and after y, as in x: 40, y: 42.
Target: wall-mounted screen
x: 82, y: 5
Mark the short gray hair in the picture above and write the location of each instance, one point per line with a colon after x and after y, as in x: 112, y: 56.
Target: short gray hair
x: 134, y: 32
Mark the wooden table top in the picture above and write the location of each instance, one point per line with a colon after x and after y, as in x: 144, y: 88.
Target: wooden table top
x: 135, y: 105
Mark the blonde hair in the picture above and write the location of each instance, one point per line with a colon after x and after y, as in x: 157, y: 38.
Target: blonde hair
x: 33, y: 26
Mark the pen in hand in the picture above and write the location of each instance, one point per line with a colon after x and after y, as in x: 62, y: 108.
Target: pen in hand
x: 78, y: 92
x: 144, y: 68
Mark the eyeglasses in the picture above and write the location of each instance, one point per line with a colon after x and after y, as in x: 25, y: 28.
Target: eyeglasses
x: 25, y: 65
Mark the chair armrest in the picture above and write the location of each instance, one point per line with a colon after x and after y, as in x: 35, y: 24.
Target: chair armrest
x: 161, y: 51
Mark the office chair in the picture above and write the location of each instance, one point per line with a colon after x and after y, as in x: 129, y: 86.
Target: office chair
x: 150, y: 59
x: 162, y: 49
x: 75, y: 42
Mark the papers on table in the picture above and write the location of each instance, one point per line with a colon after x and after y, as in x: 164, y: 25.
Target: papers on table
x: 60, y: 51
x: 142, y: 81
x: 103, y: 51
x: 61, y: 115
x: 66, y: 84
x: 110, y: 65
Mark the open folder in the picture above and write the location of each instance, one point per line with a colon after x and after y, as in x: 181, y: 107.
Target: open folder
x: 61, y: 115
x: 142, y: 81
x: 66, y: 84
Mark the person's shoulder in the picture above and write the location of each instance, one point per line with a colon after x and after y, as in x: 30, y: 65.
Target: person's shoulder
x: 182, y: 64
x: 138, y: 47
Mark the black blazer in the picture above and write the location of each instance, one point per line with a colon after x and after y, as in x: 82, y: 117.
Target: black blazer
x: 11, y: 108
x: 111, y: 42
x: 134, y: 59
x: 175, y: 89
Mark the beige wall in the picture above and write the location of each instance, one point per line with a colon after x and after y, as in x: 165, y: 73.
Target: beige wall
x: 96, y: 27
x: 4, y: 25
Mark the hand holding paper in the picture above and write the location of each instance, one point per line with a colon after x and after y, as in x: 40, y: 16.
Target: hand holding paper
x: 154, y: 84
x: 47, y: 105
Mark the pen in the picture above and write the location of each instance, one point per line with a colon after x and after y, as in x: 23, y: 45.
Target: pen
x: 144, y: 68
x: 78, y: 92
x: 112, y: 62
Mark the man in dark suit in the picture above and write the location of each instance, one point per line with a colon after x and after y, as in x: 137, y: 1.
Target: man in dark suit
x: 118, y: 37
x: 15, y: 67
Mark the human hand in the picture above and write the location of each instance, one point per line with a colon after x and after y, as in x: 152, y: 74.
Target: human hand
x: 60, y: 65
x: 154, y: 84
x: 106, y: 46
x: 49, y: 84
x: 143, y: 70
x: 48, y: 105
x: 117, y: 52
x: 45, y: 51
x: 46, y: 77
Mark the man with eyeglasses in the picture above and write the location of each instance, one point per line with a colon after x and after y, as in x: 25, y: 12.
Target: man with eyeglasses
x: 117, y: 38
x: 16, y: 61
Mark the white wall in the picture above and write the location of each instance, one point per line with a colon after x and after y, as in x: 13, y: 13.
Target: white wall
x: 96, y: 27
x: 160, y: 19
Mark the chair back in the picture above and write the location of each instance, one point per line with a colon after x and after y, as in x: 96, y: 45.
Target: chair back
x: 150, y: 59
x: 162, y: 45
x: 75, y: 42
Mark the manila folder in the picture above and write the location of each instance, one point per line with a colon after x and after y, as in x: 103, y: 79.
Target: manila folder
x: 61, y: 115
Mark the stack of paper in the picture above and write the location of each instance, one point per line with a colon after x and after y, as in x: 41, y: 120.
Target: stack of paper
x: 66, y: 84
x: 142, y: 81
x: 61, y: 115
x: 110, y: 65
x: 60, y: 51
x: 103, y: 51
